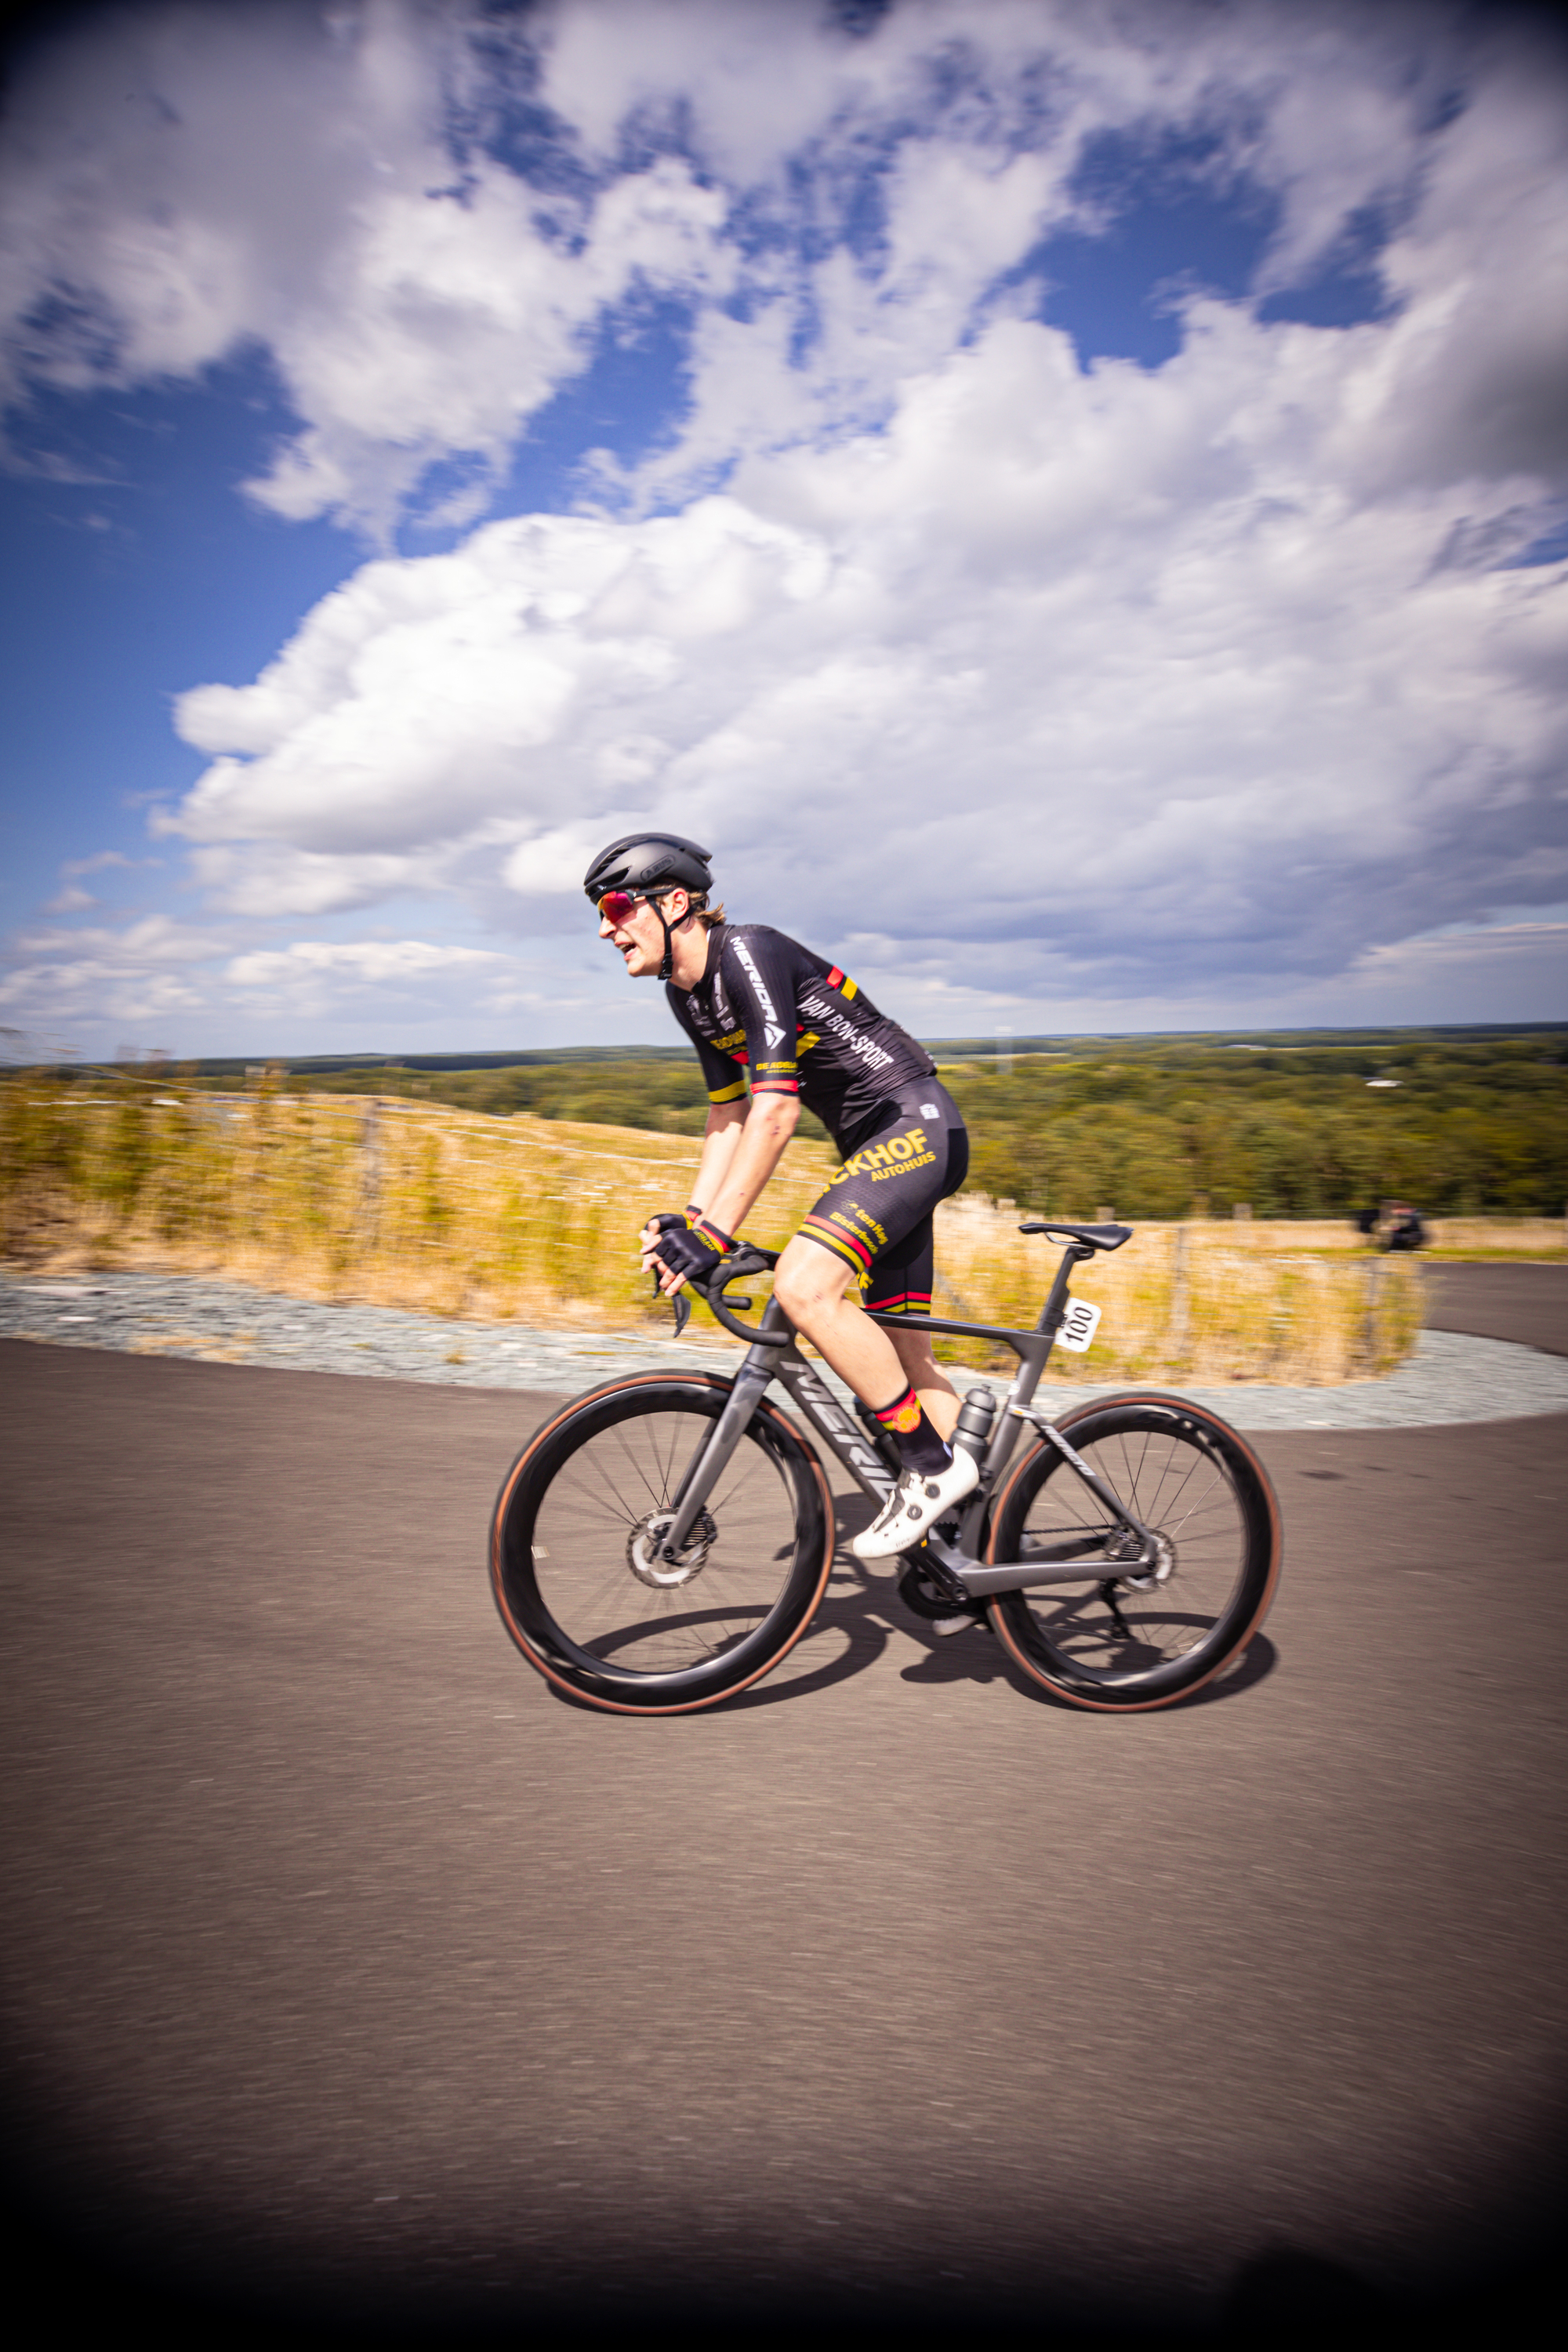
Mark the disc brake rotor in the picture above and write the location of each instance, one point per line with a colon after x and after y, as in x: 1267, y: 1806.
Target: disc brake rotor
x: 644, y: 1549
x: 1163, y: 1571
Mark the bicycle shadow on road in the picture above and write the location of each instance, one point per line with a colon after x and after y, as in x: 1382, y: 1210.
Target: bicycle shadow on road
x: 863, y: 1640
x: 979, y: 1656
x: 871, y: 1615
x: 797, y: 1676
x: 866, y: 1614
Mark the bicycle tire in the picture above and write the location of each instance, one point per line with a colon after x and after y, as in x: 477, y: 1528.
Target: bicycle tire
x: 1193, y: 1479
x: 575, y: 1573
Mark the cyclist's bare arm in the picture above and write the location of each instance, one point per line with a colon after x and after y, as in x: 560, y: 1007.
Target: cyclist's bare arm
x: 767, y: 1127
x: 741, y: 1150
x: 721, y: 1141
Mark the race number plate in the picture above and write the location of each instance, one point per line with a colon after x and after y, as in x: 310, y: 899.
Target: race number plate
x: 1079, y: 1326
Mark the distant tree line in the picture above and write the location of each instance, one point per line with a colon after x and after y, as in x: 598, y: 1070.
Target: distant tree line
x: 1154, y: 1128
x: 1169, y: 1131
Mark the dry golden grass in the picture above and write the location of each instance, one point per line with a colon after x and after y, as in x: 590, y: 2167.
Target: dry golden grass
x: 1190, y: 1302
x: 452, y: 1212
x: 377, y: 1201
x: 1473, y: 1237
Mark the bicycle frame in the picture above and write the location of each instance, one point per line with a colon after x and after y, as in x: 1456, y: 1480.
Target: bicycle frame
x: 774, y: 1354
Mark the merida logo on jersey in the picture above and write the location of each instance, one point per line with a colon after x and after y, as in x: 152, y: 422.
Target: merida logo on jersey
x: 773, y: 1031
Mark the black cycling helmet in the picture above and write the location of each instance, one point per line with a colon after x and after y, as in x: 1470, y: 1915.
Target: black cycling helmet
x: 640, y: 863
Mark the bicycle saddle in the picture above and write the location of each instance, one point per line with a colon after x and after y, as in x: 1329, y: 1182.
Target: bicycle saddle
x: 1101, y: 1237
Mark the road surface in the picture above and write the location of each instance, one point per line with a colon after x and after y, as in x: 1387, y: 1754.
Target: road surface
x: 352, y: 1977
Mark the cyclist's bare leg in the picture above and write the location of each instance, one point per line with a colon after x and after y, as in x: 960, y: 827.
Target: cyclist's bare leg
x: 812, y: 1287
x: 925, y: 1376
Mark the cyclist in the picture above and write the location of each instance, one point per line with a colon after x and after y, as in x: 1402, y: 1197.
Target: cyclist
x: 751, y: 1000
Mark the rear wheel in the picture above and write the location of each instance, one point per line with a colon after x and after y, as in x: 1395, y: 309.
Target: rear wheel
x: 1127, y: 1642
x: 576, y: 1559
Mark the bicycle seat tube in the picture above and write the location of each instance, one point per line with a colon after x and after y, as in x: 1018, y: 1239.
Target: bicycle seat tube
x: 1032, y: 1349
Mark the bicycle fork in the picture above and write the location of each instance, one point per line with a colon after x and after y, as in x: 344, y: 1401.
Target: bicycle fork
x: 706, y: 1465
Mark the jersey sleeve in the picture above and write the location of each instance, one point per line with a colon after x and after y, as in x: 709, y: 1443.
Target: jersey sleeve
x: 722, y: 1077
x: 760, y: 985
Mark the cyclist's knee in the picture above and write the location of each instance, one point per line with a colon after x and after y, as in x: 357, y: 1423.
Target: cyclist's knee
x: 807, y: 1277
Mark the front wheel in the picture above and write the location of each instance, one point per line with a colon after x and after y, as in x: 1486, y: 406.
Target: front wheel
x: 1127, y: 1642
x: 576, y: 1559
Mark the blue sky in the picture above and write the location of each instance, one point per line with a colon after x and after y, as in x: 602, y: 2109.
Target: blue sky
x: 1069, y: 503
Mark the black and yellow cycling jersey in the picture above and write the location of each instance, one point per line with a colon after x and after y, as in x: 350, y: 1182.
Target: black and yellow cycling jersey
x: 798, y: 1025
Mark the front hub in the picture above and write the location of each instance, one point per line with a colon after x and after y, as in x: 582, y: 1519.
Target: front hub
x: 645, y: 1550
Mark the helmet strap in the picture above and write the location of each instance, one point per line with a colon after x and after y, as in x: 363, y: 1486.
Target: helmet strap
x: 667, y: 966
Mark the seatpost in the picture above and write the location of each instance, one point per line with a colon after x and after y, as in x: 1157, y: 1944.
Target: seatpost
x: 1054, y: 1307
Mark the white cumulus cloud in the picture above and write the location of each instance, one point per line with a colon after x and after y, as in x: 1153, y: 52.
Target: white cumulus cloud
x: 1033, y: 683
x: 425, y: 215
x: 1133, y: 670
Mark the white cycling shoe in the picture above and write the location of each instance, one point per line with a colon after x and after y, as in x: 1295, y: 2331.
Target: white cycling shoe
x: 914, y: 1506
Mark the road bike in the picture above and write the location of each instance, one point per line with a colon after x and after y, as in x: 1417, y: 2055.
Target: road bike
x: 662, y: 1542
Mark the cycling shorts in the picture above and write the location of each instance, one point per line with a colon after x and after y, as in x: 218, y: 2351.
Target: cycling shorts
x: 910, y: 1152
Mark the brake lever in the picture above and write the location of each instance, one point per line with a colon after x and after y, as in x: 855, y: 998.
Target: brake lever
x: 680, y: 1304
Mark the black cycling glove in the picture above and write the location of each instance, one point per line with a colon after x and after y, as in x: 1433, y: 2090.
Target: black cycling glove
x: 692, y: 1250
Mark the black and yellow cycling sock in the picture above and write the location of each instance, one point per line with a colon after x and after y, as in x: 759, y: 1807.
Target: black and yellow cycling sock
x: 919, y: 1445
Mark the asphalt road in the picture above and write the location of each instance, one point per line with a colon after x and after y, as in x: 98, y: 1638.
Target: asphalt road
x: 1528, y: 1303
x: 352, y: 1977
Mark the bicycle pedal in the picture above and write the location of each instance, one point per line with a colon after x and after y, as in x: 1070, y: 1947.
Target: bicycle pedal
x: 965, y: 1617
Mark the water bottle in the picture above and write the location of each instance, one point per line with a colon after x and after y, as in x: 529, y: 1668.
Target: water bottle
x: 975, y: 1416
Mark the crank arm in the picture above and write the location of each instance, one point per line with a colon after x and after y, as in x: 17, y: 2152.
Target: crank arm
x: 947, y: 1568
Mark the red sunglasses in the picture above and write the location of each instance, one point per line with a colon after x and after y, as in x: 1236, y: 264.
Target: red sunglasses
x: 617, y: 905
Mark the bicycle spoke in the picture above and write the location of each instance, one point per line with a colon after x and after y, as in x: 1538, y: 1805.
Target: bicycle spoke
x: 657, y: 1496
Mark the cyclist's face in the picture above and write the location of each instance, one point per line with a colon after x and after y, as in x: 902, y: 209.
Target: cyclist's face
x: 639, y: 936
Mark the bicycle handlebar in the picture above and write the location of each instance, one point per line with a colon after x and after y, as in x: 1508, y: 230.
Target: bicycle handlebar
x: 747, y: 1259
